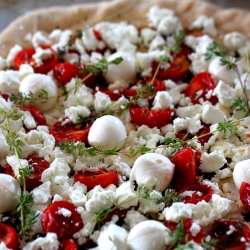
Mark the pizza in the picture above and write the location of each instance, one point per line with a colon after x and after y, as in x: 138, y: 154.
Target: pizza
x: 125, y: 125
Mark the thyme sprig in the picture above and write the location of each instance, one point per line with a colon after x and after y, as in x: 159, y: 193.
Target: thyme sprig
x: 79, y: 149
x: 22, y: 98
x: 27, y: 217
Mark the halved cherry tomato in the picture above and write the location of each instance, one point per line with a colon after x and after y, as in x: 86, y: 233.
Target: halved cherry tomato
x: 199, y: 86
x: 62, y: 218
x: 64, y: 72
x: 151, y: 118
x: 39, y: 165
x: 186, y: 163
x: 245, y: 195
x: 201, y: 192
x: 25, y: 57
x: 70, y: 132
x: 230, y: 241
x: 68, y: 244
x: 187, y: 235
x: 179, y: 68
x: 5, y: 96
x: 9, y: 236
x: 37, y: 114
x: 100, y: 177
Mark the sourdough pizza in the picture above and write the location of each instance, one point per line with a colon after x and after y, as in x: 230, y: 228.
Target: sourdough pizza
x: 125, y: 125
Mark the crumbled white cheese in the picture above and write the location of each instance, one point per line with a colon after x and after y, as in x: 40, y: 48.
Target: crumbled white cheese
x: 74, y: 113
x: 64, y: 212
x: 102, y: 101
x: 41, y: 194
x: 162, y: 101
x: 132, y: 218
x: 28, y: 120
x: 49, y: 242
x: 147, y: 36
x: 114, y: 34
x: 99, y: 198
x: 195, y: 229
x: 212, y: 162
x: 9, y: 81
x: 212, y: 114
x: 206, y: 24
x: 125, y: 193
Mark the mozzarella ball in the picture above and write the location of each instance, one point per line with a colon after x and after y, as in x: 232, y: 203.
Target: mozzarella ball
x: 35, y: 83
x: 152, y: 170
x: 125, y: 71
x: 220, y: 72
x: 148, y: 235
x: 107, y: 131
x: 9, y: 192
x: 241, y: 173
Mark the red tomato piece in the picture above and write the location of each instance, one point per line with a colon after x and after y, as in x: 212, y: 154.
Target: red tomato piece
x: 187, y: 224
x: 199, y: 86
x: 64, y: 225
x: 37, y: 114
x: 245, y: 194
x: 100, y: 177
x: 151, y: 118
x: 231, y: 241
x: 25, y: 57
x: 69, y: 132
x: 179, y: 68
x: 9, y: 236
x: 68, y: 244
x: 201, y: 192
x: 39, y: 165
x: 64, y: 72
x: 186, y: 163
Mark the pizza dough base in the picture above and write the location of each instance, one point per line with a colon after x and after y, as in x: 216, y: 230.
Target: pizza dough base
x: 80, y: 16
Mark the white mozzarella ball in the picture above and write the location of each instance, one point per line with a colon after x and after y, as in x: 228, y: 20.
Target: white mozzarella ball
x: 9, y: 192
x: 125, y: 71
x: 152, y: 170
x: 148, y: 235
x: 107, y: 131
x: 220, y: 72
x: 241, y: 173
x: 35, y: 83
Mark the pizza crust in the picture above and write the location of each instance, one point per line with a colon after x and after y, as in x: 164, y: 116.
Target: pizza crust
x: 80, y: 16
